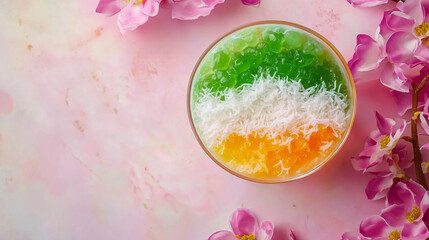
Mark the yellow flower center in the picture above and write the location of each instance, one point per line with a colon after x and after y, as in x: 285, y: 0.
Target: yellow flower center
x: 135, y: 2
x: 384, y: 142
x: 395, y: 235
x: 415, y: 213
x: 246, y: 237
x: 422, y: 29
x: 425, y: 167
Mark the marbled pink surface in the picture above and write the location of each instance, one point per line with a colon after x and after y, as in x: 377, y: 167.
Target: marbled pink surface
x: 95, y: 141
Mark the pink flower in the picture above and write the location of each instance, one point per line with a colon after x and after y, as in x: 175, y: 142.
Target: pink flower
x: 369, y: 62
x: 406, y: 30
x: 245, y: 226
x: 132, y: 13
x: 407, y: 203
x: 397, y: 162
x: 368, y: 58
x: 192, y: 9
x: 379, y: 146
x: 366, y: 3
x: 404, y: 100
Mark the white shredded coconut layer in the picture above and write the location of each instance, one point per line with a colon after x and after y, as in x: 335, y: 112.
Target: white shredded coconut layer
x: 270, y: 106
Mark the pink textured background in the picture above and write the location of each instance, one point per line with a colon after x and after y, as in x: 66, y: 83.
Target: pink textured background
x: 94, y: 137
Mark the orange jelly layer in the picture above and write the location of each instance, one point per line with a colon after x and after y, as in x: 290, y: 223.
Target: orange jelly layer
x: 262, y: 157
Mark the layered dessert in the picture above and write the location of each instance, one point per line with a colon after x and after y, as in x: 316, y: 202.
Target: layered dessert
x: 271, y: 101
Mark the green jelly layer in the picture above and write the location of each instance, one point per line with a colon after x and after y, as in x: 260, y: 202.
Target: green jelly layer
x: 278, y: 50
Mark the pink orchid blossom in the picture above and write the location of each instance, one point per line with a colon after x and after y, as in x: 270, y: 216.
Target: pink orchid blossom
x: 369, y: 62
x: 377, y: 188
x: 192, y: 9
x: 368, y: 58
x: 404, y: 100
x: 132, y: 13
x: 379, y: 145
x: 366, y: 3
x: 405, y: 30
x: 407, y: 203
x: 244, y: 225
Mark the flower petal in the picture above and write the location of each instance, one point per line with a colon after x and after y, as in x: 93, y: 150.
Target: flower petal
x: 373, y: 227
x: 400, y: 22
x: 403, y: 101
x: 131, y: 17
x: 424, y: 118
x: 108, y: 7
x: 151, y: 7
x: 414, y: 9
x: 192, y: 9
x: 395, y: 215
x: 360, y: 163
x: 243, y: 222
x: 400, y: 153
x: 397, y: 133
x: 222, y: 235
x: 266, y: 230
x: 400, y: 194
x: 352, y: 236
x: 366, y: 3
x: 385, y: 30
x: 424, y: 204
x: 292, y: 236
x: 401, y: 46
x: 418, y: 191
x: 377, y: 187
x: 415, y: 231
x: 392, y: 76
x: 424, y: 146
x: 384, y: 125
x: 250, y: 2
x: 422, y: 53
x: 367, y: 60
x: 426, y: 106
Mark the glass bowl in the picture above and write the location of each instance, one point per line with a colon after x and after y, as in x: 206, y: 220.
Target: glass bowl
x: 271, y: 55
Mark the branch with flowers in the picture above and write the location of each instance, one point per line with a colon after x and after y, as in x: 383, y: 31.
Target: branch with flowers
x: 134, y: 13
x: 398, y: 56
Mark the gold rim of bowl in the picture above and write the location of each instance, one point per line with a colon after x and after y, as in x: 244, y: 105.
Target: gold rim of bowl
x: 343, y: 65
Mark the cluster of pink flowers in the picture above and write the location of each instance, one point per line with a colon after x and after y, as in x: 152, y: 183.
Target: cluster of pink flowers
x: 383, y: 156
x: 398, y: 55
x: 133, y: 13
x: 403, y: 218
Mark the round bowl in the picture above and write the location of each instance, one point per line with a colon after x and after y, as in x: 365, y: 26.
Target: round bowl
x: 224, y: 42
